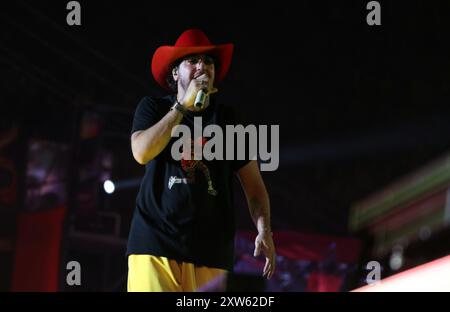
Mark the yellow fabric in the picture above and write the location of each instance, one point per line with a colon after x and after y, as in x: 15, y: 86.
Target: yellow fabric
x: 151, y: 273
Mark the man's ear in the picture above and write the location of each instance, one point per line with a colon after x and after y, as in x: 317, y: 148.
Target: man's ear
x: 175, y: 73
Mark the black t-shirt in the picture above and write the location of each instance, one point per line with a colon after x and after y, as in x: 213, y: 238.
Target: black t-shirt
x: 184, y: 208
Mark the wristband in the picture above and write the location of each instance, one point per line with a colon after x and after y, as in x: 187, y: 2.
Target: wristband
x: 179, y: 107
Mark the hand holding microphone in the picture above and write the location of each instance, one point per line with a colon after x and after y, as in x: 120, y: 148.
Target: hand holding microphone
x: 198, y: 92
x: 203, y: 93
x: 200, y: 99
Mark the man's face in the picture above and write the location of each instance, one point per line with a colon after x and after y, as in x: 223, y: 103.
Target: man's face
x: 194, y: 66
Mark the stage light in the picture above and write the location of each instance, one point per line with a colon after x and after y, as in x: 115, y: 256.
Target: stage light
x: 109, y: 187
x: 425, y: 233
x: 396, y: 259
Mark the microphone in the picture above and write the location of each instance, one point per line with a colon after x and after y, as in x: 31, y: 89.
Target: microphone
x: 200, y: 98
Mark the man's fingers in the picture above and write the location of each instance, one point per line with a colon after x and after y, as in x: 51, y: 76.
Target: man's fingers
x: 269, y: 268
x: 257, y: 250
x: 267, y: 248
x: 212, y: 91
x: 273, y: 262
x: 272, y: 270
x: 266, y: 267
x: 270, y: 274
x: 269, y: 271
x: 202, y: 76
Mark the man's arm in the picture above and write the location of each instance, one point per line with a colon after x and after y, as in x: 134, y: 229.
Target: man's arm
x: 147, y: 144
x: 259, y: 207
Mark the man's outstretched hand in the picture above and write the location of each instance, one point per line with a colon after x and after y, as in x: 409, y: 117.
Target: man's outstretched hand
x: 264, y: 243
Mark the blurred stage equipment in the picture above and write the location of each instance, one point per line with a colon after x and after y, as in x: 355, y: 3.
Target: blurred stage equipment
x: 411, y: 211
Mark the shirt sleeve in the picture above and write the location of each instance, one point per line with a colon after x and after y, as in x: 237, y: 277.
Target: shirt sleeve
x: 146, y: 114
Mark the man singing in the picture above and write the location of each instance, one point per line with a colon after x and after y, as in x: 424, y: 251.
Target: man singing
x: 183, y: 227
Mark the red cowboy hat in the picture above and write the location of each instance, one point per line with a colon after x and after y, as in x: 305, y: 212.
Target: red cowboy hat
x: 192, y: 41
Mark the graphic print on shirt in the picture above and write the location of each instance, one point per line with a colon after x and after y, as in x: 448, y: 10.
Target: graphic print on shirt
x: 190, y: 166
x: 176, y: 180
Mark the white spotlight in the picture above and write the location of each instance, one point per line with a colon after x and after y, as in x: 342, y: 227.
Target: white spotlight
x: 109, y: 186
x: 396, y: 261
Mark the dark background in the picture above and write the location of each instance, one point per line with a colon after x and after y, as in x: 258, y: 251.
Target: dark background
x: 358, y: 106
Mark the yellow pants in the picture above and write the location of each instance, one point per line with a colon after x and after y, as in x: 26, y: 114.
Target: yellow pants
x: 151, y: 273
